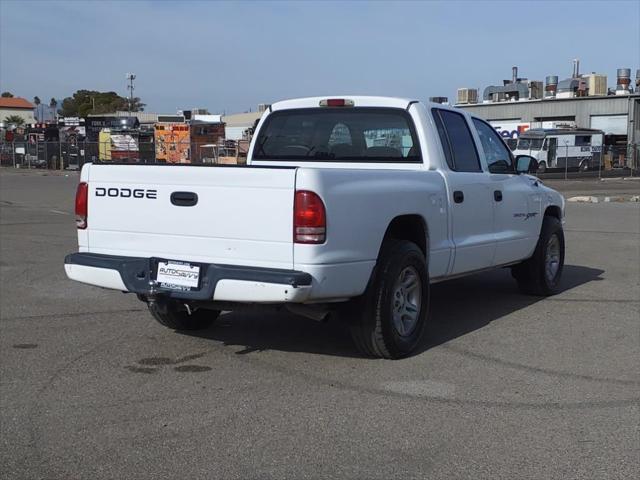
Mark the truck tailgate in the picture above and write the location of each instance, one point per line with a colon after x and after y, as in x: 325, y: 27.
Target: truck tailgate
x: 243, y: 216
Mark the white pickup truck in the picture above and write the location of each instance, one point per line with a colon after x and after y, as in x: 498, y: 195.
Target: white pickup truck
x: 347, y: 204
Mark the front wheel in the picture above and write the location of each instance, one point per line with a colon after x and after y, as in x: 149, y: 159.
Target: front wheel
x: 393, y: 313
x: 541, y: 274
x: 176, y: 316
x: 584, y: 166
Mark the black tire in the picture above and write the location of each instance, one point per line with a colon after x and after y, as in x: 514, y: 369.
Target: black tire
x: 372, y: 322
x: 173, y: 315
x: 532, y: 275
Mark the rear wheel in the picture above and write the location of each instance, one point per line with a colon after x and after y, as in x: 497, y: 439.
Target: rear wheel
x: 389, y: 320
x: 541, y: 274
x: 174, y: 315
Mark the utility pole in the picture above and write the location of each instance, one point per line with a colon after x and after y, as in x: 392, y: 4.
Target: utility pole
x: 566, y: 158
x: 131, y: 77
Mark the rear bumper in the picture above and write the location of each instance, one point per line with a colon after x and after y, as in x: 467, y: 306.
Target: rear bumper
x: 218, y: 282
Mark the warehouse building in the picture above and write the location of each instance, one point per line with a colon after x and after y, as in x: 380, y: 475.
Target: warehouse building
x: 581, y: 101
x: 615, y: 115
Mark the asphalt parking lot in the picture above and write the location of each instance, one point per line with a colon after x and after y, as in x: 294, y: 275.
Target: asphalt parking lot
x: 508, y: 386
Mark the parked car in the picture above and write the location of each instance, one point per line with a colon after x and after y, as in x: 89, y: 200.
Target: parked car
x: 347, y: 205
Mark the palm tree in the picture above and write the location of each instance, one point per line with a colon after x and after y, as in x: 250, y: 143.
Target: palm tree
x: 16, y: 120
x: 36, y: 101
x: 6, y: 95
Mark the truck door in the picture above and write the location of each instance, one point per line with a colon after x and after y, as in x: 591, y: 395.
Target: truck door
x: 469, y: 194
x: 516, y: 198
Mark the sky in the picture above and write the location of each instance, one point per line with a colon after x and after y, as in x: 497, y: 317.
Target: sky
x: 231, y: 56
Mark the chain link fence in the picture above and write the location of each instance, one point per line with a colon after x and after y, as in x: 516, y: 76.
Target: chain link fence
x: 55, y: 155
x: 613, y: 161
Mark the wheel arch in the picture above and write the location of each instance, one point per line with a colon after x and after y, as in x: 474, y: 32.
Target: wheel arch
x: 411, y: 227
x: 553, y: 211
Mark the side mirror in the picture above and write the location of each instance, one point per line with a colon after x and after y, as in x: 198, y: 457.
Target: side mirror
x: 526, y: 164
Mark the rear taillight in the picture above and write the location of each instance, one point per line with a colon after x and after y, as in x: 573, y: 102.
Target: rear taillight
x: 309, y: 218
x: 82, y: 204
x: 337, y: 102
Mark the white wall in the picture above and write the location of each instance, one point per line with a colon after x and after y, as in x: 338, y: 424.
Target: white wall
x: 234, y: 133
x: 26, y: 114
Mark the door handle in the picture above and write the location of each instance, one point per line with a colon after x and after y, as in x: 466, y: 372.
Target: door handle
x: 497, y: 195
x: 458, y: 196
x: 184, y: 199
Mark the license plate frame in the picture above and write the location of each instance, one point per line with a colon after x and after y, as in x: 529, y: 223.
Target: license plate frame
x: 176, y: 275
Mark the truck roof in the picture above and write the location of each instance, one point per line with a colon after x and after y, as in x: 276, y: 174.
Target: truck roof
x: 543, y: 132
x: 359, y: 100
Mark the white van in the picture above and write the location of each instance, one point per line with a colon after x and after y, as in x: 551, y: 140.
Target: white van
x: 562, y: 148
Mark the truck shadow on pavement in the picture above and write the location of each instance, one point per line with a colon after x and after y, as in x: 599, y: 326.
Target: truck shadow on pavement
x: 458, y: 307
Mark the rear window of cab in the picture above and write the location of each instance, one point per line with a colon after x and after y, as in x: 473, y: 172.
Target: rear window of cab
x: 349, y: 134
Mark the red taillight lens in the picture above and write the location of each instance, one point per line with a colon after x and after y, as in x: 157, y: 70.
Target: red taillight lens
x: 309, y: 218
x: 82, y: 204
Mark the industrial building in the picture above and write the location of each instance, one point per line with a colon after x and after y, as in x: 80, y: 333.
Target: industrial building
x: 581, y: 101
x: 236, y: 125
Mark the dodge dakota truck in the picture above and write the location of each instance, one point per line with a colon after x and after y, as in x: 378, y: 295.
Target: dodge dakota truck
x: 350, y: 204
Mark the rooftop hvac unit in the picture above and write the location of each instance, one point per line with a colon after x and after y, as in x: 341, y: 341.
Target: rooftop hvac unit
x: 441, y: 100
x: 596, y: 84
x: 467, y: 95
x: 536, y: 90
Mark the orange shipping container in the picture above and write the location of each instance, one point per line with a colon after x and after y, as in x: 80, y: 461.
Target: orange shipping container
x: 172, y: 142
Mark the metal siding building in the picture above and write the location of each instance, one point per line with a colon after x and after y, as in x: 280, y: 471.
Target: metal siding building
x: 606, y: 112
x: 143, y: 117
x: 237, y: 123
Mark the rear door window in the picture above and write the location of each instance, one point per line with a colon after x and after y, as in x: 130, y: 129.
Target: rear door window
x: 347, y: 134
x: 462, y: 148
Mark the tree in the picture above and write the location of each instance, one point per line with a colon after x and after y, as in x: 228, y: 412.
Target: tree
x: 53, y: 104
x: 16, y: 120
x: 84, y: 102
x: 6, y: 95
x: 37, y: 102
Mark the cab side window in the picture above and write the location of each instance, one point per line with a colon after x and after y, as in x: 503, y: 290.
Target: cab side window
x: 495, y: 151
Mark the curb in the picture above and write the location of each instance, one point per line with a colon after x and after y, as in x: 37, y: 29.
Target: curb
x: 591, y: 199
